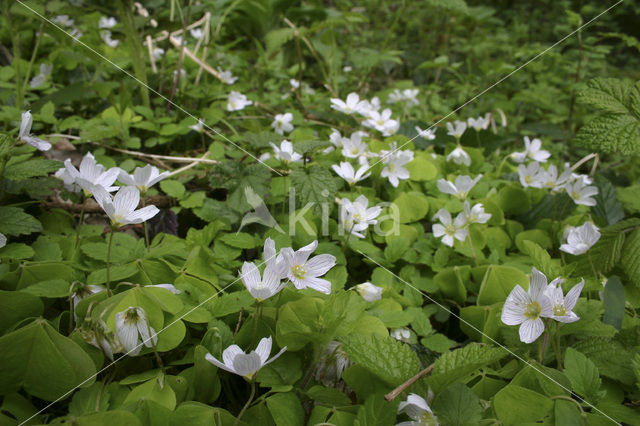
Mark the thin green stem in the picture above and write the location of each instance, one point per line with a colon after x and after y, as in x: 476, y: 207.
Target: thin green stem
x: 84, y: 203
x: 256, y: 317
x: 33, y: 57
x: 555, y: 341
x: 249, y: 401
x: 109, y: 261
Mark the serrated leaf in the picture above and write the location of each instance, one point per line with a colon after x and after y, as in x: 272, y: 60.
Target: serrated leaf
x: 630, y: 260
x: 390, y: 360
x: 608, y: 207
x: 611, y: 133
x: 611, y: 358
x: 31, y: 168
x: 583, y: 374
x: 453, y: 5
x: 14, y: 221
x: 608, y: 94
x: 314, y: 185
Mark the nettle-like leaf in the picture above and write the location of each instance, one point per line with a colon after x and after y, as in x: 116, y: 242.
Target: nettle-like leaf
x: 14, y: 221
x: 618, y: 128
x: 583, y: 374
x: 630, y: 260
x: 314, y: 184
x: 611, y: 358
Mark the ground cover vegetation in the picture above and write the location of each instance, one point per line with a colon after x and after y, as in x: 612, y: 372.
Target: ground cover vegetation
x: 280, y: 212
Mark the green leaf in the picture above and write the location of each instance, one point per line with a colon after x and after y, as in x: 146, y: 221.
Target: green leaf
x: 513, y: 200
x: 16, y: 251
x: 173, y: 188
x: 455, y: 365
x: 314, y: 184
x: 390, y: 360
x: 630, y: 260
x: 422, y: 169
x: 239, y: 240
x: 611, y: 133
x: 541, y: 259
x: 31, y: 168
x: 413, y: 206
x: 49, y: 288
x: 457, y: 406
x: 518, y: 405
x: 583, y: 374
x: 114, y: 417
x: 16, y: 306
x: 153, y: 391
x: 459, y: 6
x: 14, y: 221
x: 286, y: 409
x: 376, y: 411
x: 607, y: 94
x: 43, y: 362
x: 613, y: 302
x: 89, y: 400
x: 567, y: 413
x: 498, y: 282
x: 195, y: 413
x: 608, y: 207
x: 611, y: 358
x: 451, y: 282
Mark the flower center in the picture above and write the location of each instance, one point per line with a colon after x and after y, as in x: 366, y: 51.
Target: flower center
x: 298, y: 271
x: 559, y: 310
x: 357, y: 217
x: 533, y: 310
x: 392, y: 167
x: 450, y: 229
x: 575, y: 195
x: 528, y: 179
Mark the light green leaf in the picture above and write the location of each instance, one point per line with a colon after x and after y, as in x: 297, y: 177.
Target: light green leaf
x: 517, y: 405
x: 457, y: 406
x: 498, y: 282
x: 172, y: 188
x: 583, y: 374
x: 413, y: 206
x: 286, y: 409
x: 14, y: 221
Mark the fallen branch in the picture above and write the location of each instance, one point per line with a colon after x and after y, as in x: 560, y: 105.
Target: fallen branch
x: 397, y: 391
x: 92, y: 207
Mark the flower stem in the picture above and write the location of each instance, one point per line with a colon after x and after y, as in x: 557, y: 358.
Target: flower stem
x: 249, y: 401
x: 555, y: 341
x: 256, y: 316
x: 84, y: 203
x: 346, y: 240
x: 109, y: 261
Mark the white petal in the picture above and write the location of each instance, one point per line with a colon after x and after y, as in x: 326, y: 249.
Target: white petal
x: 142, y: 215
x: 247, y: 364
x: 320, y: 265
x: 572, y: 296
x: 530, y: 330
x: 217, y: 363
x: 318, y: 284
x: 126, y: 200
x: 264, y: 349
x: 538, y: 284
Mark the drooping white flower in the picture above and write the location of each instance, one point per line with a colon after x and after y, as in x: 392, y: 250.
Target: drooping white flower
x: 459, y: 156
x: 332, y: 363
x: 196, y: 33
x: 528, y: 308
x: 237, y: 101
x: 84, y: 291
x: 400, y: 333
x: 428, y: 134
x: 198, y: 127
x: 157, y: 52
x: 475, y: 214
x: 581, y: 239
x: 169, y: 287
x: 480, y: 123
x: 346, y: 171
x: 356, y: 216
x: 105, y: 35
x: 382, y: 122
x: 227, y: 77
x: 285, y: 152
x: 460, y: 188
x: 580, y: 193
x: 418, y: 410
x: 121, y: 208
x: 133, y: 330
x: 530, y: 175
x: 282, y: 123
x: 295, y: 84
x: 91, y: 174
x: 369, y: 292
x: 563, y: 306
x: 143, y: 177
x: 3, y: 240
x: 456, y: 129
x: 45, y: 71
x: 448, y: 228
x: 353, y: 104
x: 101, y: 337
x: 263, y: 287
x: 107, y: 22
x: 238, y: 362
x: 25, y: 130
x: 304, y: 272
x: 532, y: 150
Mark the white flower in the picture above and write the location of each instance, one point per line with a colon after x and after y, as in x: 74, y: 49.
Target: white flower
x: 131, y: 327
x: 63, y: 20
x: 106, y: 37
x: 480, y: 123
x: 549, y: 178
x: 581, y: 239
x: 459, y: 156
x: 169, y: 287
x: 141, y: 10
x: 198, y: 127
x: 285, y: 152
x: 143, y: 177
x: 295, y: 84
x: 3, y: 240
x: 196, y: 33
x: 355, y: 147
x: 282, y: 123
x: 532, y: 150
x: 121, y: 209
x: 530, y: 175
x: 456, y: 129
x: 261, y: 288
x: 408, y: 96
x: 157, y: 52
x: 395, y: 161
x: 227, y: 77
x: 475, y: 214
x: 356, y: 216
x: 527, y: 308
x: 418, y: 410
x: 580, y: 193
x: 449, y: 229
x: 369, y: 292
x: 346, y: 171
x: 563, y: 306
x: 382, y: 122
x: 45, y: 71
x: 400, y: 333
x: 428, y: 134
x: 304, y: 272
x: 274, y: 262
x: 243, y: 364
x: 105, y: 23
x: 83, y: 292
x: 332, y: 363
x: 460, y: 188
x: 25, y: 130
x: 91, y: 173
x: 368, y: 106
x: 237, y: 101
x: 67, y: 179
x: 351, y: 105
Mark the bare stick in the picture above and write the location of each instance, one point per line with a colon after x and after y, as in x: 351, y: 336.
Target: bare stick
x: 397, y: 391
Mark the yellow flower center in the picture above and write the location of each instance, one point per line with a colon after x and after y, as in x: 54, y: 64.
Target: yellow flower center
x: 533, y: 310
x: 559, y: 310
x: 358, y: 217
x: 392, y: 167
x: 450, y: 230
x: 298, y: 271
x: 528, y: 179
x: 575, y: 195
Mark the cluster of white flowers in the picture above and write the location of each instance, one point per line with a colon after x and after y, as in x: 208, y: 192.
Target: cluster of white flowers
x: 527, y: 308
x: 356, y: 216
x: 105, y: 24
x: 534, y: 175
x: 370, y: 111
x: 65, y: 21
x: 408, y: 96
x: 457, y: 229
x: 580, y: 239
